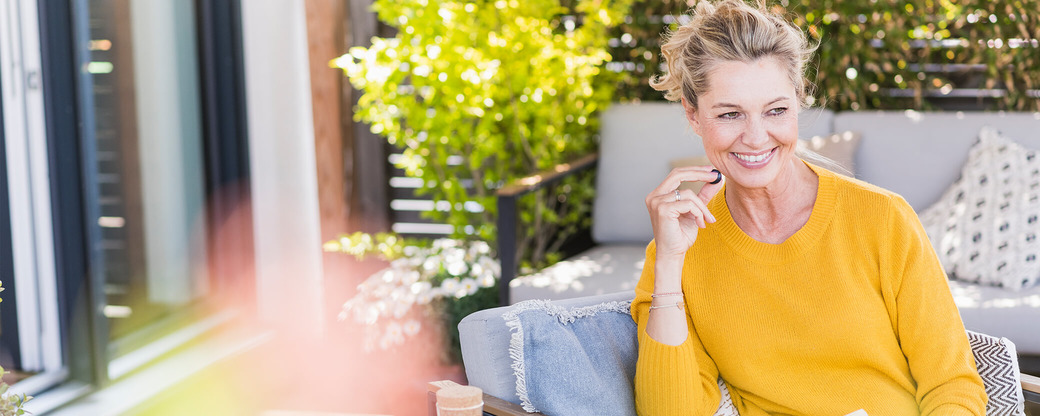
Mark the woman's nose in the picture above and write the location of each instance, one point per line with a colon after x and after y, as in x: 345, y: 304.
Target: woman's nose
x: 755, y: 132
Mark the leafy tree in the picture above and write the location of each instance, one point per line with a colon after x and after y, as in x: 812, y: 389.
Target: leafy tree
x: 481, y: 92
x: 881, y: 54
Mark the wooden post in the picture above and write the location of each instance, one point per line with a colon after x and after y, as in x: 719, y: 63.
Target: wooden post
x: 370, y: 199
x: 325, y: 42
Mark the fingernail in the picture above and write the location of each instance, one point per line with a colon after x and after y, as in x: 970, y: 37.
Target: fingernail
x: 711, y: 217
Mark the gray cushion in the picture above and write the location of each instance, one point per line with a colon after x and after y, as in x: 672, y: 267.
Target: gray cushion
x: 599, y: 270
x: 636, y: 145
x: 918, y: 155
x: 1000, y: 312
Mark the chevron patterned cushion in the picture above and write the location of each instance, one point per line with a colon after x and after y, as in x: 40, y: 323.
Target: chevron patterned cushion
x: 997, y: 362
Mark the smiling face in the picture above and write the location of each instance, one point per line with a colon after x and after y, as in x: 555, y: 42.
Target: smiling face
x: 748, y: 120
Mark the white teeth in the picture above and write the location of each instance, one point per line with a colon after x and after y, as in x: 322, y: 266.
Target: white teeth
x: 751, y: 159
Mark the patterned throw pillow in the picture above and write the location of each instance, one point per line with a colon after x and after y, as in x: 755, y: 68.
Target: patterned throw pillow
x: 985, y: 227
x: 997, y: 362
x: 551, y: 345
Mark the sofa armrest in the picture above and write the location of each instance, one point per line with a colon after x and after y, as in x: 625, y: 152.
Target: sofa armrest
x: 1031, y: 388
x: 507, y: 215
x: 492, y: 405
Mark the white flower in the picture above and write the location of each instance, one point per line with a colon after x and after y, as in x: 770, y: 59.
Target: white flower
x: 467, y: 287
x: 450, y: 285
x: 412, y: 327
x: 400, y: 309
x: 486, y: 280
x: 456, y: 267
x: 410, y: 251
x: 410, y: 277
x: 381, y: 306
x: 403, y: 263
x: 389, y: 276
x: 431, y: 264
x: 369, y: 316
x: 425, y: 297
x: 380, y: 291
x: 394, y: 333
x: 443, y: 243
x: 491, y: 264
x: 480, y: 247
x: 419, y: 288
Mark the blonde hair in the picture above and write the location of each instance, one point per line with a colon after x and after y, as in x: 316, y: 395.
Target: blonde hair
x: 730, y: 30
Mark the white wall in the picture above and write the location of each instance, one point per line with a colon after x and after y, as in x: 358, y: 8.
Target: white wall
x: 284, y: 176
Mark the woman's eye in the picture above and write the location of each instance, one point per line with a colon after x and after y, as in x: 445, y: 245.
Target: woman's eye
x: 778, y: 111
x: 730, y: 115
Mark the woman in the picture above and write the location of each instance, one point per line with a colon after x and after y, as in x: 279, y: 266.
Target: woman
x: 808, y: 292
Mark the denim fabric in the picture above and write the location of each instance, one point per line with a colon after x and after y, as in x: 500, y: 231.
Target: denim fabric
x: 572, y: 362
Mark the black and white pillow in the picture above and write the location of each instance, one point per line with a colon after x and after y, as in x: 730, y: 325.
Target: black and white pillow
x: 997, y: 362
x: 986, y: 227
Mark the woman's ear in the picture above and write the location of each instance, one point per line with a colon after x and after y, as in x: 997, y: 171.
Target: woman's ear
x: 691, y: 116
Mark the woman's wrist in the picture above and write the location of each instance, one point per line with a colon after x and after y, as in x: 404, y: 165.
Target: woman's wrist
x: 668, y: 276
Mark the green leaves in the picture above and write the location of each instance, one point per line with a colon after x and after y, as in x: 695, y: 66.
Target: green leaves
x: 904, y: 54
x: 11, y: 404
x: 479, y: 93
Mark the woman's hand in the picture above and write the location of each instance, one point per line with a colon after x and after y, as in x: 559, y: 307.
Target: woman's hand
x: 676, y: 214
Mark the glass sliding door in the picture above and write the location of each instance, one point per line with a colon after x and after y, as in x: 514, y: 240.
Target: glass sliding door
x: 122, y: 142
x: 144, y: 165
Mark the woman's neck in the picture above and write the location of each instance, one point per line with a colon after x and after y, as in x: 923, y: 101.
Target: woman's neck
x: 776, y: 212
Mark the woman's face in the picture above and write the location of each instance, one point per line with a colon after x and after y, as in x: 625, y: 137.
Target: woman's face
x: 748, y: 120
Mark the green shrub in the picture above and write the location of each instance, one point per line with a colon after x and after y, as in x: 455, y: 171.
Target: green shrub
x: 480, y: 93
x: 882, y: 54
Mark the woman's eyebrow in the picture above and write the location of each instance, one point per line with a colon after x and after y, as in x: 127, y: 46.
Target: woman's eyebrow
x: 725, y: 105
x: 729, y: 105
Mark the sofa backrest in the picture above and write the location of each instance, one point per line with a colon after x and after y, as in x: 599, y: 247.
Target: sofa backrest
x: 637, y: 142
x: 919, y: 154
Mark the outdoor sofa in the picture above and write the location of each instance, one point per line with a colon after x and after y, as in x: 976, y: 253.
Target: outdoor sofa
x: 577, y: 357
x: 918, y: 155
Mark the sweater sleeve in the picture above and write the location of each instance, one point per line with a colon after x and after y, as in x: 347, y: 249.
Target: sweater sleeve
x: 927, y: 321
x: 670, y: 380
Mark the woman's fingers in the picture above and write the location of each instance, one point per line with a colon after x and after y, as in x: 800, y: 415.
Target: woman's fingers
x: 686, y: 174
x: 696, y: 207
x: 686, y: 205
x: 709, y: 189
x: 677, y: 214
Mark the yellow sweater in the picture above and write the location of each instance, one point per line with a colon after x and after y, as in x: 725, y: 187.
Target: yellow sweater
x: 851, y: 312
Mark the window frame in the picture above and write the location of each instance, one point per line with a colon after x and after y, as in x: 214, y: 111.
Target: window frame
x: 79, y: 299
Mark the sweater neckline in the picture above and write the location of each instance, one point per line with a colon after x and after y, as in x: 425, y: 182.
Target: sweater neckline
x: 794, y: 246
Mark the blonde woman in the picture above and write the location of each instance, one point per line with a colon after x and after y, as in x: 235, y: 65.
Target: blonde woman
x: 808, y: 292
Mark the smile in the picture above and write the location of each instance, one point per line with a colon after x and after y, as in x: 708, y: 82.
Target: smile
x: 754, y: 159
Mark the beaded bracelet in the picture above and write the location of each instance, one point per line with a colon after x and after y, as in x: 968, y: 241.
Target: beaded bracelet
x: 677, y: 305
x: 661, y: 295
